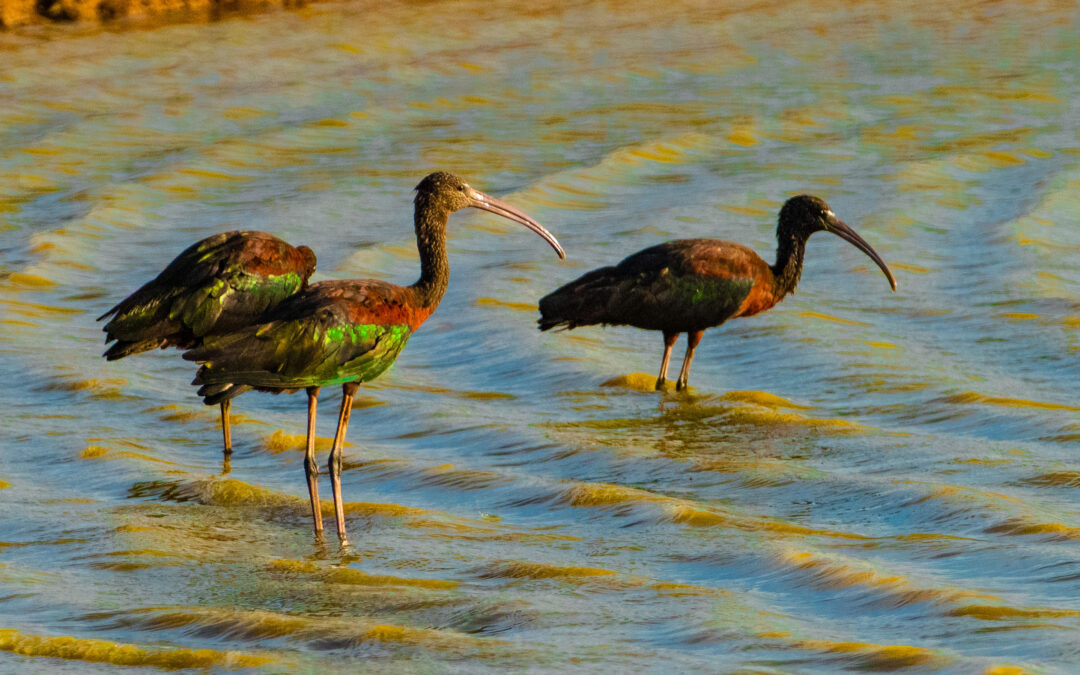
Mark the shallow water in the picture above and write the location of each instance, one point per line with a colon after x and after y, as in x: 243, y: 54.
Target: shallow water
x: 857, y: 480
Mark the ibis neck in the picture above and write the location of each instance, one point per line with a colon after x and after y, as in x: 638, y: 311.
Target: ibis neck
x: 789, y: 262
x: 431, y: 243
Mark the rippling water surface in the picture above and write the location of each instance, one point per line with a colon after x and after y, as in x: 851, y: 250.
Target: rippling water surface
x: 857, y: 480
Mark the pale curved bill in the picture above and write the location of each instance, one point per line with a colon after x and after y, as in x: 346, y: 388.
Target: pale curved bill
x: 842, y: 230
x: 488, y: 203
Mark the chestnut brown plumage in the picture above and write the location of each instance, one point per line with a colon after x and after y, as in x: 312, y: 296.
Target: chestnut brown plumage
x: 689, y: 285
x: 344, y: 332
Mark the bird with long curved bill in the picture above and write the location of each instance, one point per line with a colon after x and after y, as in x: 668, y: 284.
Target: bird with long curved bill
x: 345, y: 332
x: 690, y: 285
x: 216, y: 285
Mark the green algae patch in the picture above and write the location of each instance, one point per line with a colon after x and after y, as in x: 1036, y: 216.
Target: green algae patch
x: 518, y: 306
x: 676, y: 590
x: 518, y: 569
x: 1061, y: 478
x: 151, y: 558
x: 117, y: 654
x: 500, y: 535
x: 93, y: 452
x: 1006, y: 669
x: 869, y: 656
x: 1006, y: 613
x: 226, y: 492
x: 762, y: 398
x: 973, y: 397
x: 1012, y: 523
x: 232, y: 493
x: 129, y: 566
x: 154, y: 553
x: 1025, y: 525
x: 23, y: 281
x: 174, y: 413
x: 257, y: 625
x: 639, y: 382
x: 32, y: 310
x: 354, y: 577
x: 375, y: 509
x: 908, y: 267
x: 463, y: 394
x: 758, y: 471
x: 833, y: 319
x: 293, y: 566
x: 280, y: 441
x: 128, y: 529
x: 701, y: 410
x: 833, y: 572
x: 105, y: 389
x: 100, y: 452
x: 604, y: 494
x: 768, y: 418
x: 683, y: 512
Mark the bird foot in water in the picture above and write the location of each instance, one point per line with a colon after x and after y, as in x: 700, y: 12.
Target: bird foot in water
x: 683, y: 387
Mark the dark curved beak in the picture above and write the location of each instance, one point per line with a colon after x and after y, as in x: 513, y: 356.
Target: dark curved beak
x: 841, y: 229
x: 484, y: 202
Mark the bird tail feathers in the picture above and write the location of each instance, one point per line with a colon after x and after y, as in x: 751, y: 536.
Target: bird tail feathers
x: 582, y: 302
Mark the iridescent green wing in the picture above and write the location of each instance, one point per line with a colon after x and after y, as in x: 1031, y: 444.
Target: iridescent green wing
x: 318, y: 347
x: 238, y: 283
x: 222, y: 282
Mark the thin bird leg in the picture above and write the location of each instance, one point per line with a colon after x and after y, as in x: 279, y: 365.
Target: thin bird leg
x: 310, y: 467
x: 669, y: 342
x: 347, y: 391
x: 225, y: 405
x: 692, y: 340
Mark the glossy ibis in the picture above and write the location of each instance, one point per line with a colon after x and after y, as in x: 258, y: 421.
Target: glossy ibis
x: 344, y: 332
x: 688, y: 285
x: 215, y: 286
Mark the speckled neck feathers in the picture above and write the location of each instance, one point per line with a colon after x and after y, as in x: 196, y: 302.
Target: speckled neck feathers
x: 791, y: 246
x: 430, y: 219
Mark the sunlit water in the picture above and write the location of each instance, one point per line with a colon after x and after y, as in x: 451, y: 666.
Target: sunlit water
x: 857, y: 480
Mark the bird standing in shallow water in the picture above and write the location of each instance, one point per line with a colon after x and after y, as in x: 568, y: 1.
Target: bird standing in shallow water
x: 344, y: 332
x: 689, y: 285
x: 216, y: 285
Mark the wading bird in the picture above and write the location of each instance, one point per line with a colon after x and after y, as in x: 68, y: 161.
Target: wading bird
x: 689, y: 285
x: 216, y: 285
x: 344, y: 332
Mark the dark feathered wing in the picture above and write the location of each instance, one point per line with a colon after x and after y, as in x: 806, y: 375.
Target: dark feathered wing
x: 217, y: 284
x: 322, y: 336
x: 681, y: 285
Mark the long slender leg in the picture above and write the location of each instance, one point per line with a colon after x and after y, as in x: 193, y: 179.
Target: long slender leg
x: 669, y: 342
x: 692, y: 340
x: 347, y: 391
x: 225, y: 430
x: 310, y: 467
